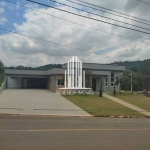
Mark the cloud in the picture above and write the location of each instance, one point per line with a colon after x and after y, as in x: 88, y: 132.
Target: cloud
x: 2, y: 4
x: 2, y: 19
x: 32, y: 52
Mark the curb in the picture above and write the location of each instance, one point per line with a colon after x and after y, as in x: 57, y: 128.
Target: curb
x: 46, y: 115
x: 75, y: 116
x: 121, y: 117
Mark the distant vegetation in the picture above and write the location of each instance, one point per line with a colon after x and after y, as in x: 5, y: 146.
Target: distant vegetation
x: 43, y: 68
x: 139, y: 72
x: 129, y: 64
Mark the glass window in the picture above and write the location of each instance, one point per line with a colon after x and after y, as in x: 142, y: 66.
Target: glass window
x: 112, y: 75
x: 112, y: 79
x: 59, y: 82
x: 112, y: 84
x: 62, y: 82
x: 106, y: 83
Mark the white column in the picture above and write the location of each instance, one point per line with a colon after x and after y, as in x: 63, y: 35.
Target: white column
x: 73, y: 71
x: 65, y: 79
x: 76, y: 71
x: 69, y: 83
x: 83, y: 79
x: 81, y: 74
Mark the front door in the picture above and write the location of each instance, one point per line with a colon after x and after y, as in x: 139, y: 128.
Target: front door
x: 94, y: 84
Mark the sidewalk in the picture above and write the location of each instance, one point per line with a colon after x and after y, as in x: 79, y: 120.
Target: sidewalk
x: 145, y: 112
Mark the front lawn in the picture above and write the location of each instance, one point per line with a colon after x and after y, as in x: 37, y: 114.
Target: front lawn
x: 101, y: 106
x: 1, y: 79
x: 137, y: 100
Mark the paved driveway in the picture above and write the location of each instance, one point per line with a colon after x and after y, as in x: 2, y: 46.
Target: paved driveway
x: 37, y: 102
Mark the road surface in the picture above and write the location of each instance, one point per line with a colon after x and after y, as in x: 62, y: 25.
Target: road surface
x: 73, y: 133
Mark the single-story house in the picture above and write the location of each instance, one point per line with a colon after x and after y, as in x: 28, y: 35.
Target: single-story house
x: 52, y: 79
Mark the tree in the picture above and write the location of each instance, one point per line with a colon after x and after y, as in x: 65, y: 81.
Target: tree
x: 126, y: 83
x: 20, y: 67
x: 100, y: 91
x: 121, y: 78
x: 128, y: 78
x: 1, y: 67
x: 145, y: 73
x: 114, y: 92
x: 134, y: 69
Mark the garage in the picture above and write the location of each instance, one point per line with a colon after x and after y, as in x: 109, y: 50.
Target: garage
x: 26, y: 83
x: 34, y: 83
x: 14, y: 82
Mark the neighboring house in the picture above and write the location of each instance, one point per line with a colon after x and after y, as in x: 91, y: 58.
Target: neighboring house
x: 52, y: 79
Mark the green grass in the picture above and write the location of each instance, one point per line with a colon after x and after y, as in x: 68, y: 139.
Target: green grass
x: 137, y: 100
x: 101, y: 106
x: 1, y: 79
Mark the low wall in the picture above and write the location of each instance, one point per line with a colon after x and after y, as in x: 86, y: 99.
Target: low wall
x: 2, y: 87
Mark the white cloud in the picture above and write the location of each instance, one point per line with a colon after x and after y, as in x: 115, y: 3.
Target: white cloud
x: 31, y: 52
x: 1, y: 10
x: 2, y: 4
x: 2, y: 19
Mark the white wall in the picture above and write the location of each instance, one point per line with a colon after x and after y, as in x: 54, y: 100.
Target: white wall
x: 2, y: 87
x: 14, y: 83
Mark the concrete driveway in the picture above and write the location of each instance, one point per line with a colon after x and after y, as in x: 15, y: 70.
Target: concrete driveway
x: 37, y: 102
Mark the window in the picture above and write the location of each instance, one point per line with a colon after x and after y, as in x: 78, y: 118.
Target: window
x: 112, y: 79
x: 59, y: 82
x: 106, y: 82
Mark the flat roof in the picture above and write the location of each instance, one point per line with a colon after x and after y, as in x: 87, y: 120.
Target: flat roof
x: 96, y: 66
x: 34, y: 72
x: 86, y: 66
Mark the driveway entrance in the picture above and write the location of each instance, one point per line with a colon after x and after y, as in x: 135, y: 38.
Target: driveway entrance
x: 37, y: 102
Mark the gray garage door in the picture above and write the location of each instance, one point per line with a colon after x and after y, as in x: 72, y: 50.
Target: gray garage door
x: 14, y: 83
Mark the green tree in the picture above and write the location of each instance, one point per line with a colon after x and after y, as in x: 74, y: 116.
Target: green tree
x: 134, y: 69
x: 145, y: 73
x: 100, y: 91
x: 20, y: 67
x: 114, y: 92
x: 1, y: 67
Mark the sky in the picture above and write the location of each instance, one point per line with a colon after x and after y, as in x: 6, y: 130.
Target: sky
x: 94, y: 46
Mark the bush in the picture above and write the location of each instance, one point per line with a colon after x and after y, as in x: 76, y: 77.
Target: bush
x: 1, y: 79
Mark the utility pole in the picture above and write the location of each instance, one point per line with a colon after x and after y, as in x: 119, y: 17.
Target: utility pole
x: 120, y: 82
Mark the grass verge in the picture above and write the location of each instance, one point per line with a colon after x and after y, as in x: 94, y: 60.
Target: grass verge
x: 137, y: 100
x: 101, y: 106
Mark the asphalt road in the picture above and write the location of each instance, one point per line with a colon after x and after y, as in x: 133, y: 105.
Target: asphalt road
x: 71, y: 133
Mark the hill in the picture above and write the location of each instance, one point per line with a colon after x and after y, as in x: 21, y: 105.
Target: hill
x: 42, y: 68
x: 129, y: 64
